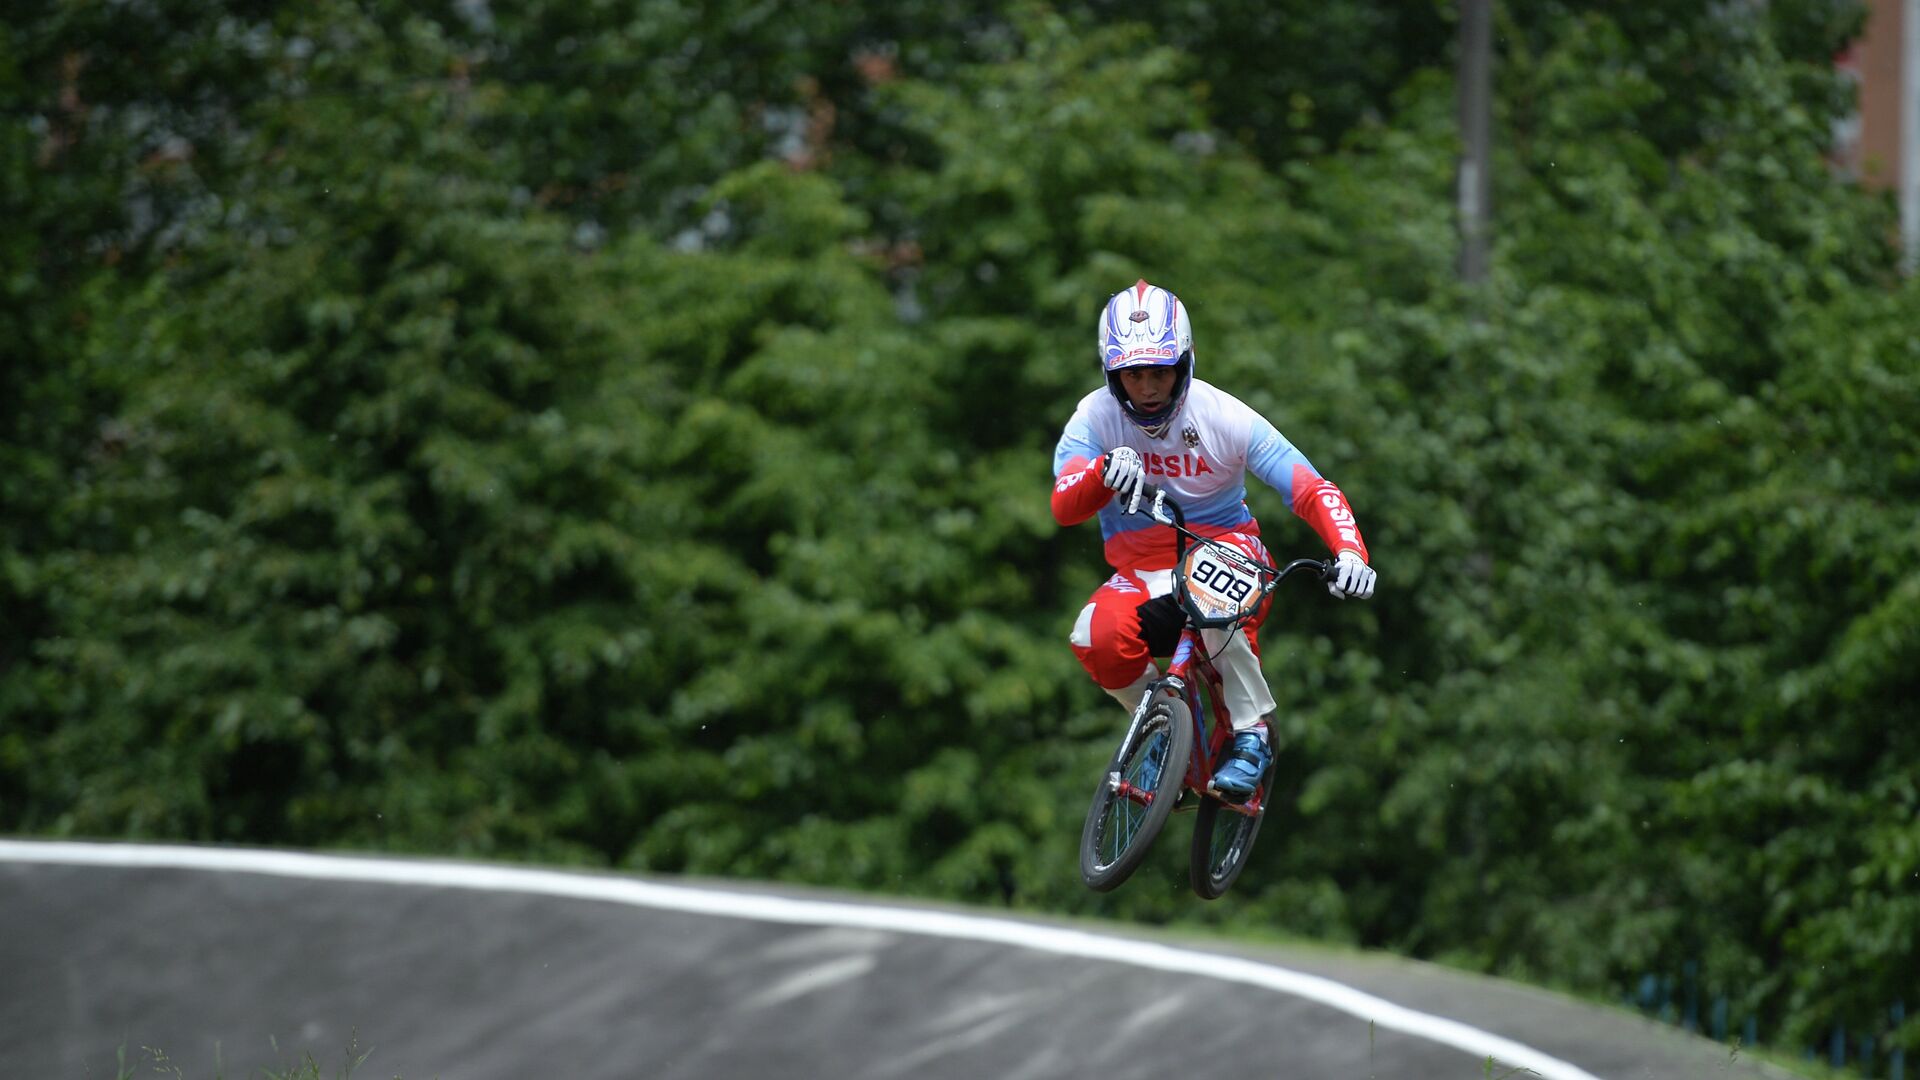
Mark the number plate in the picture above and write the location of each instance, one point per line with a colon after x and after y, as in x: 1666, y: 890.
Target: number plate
x: 1220, y: 585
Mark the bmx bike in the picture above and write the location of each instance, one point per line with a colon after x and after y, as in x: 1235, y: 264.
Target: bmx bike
x: 1155, y: 771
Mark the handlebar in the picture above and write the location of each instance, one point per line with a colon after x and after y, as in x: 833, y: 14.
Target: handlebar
x: 1322, y: 569
x: 1153, y: 501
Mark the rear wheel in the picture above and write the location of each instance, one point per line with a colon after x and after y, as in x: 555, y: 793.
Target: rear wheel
x: 1222, y: 839
x: 1136, y: 793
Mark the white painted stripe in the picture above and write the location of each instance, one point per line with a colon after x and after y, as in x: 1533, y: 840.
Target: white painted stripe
x: 804, y: 982
x: 780, y: 909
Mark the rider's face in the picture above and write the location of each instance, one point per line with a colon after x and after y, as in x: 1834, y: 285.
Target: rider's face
x: 1148, y: 388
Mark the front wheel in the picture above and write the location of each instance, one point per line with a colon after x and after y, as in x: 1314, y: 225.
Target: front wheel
x: 1222, y: 839
x: 1136, y: 793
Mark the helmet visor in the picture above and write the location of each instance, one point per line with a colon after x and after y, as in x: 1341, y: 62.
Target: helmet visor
x: 1142, y: 356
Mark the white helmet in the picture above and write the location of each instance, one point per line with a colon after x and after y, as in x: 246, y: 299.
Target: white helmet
x: 1146, y: 326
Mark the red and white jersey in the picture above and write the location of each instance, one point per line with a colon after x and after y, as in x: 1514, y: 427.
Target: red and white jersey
x: 1202, y: 460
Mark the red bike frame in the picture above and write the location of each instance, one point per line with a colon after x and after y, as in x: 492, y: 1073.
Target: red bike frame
x: 1208, y: 741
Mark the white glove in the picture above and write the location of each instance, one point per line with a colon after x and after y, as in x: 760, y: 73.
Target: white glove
x: 1351, y: 576
x: 1124, y: 472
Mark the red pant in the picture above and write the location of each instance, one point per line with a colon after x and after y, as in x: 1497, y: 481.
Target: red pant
x: 1107, y: 636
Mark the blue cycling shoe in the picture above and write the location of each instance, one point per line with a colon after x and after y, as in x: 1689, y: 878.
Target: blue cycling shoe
x: 1152, y: 757
x: 1242, y: 771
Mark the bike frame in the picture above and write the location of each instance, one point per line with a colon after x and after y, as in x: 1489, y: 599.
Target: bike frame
x: 1209, y: 739
x: 1190, y: 658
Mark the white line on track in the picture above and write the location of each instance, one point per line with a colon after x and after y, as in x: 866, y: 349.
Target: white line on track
x: 780, y: 909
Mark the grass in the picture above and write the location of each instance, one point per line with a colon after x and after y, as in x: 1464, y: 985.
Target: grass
x: 156, y: 1061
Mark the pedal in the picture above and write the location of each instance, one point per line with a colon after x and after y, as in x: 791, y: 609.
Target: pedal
x: 1228, y: 796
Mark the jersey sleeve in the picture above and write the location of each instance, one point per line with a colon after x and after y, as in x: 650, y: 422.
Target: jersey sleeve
x: 1078, y: 490
x: 1314, y: 499
x: 1273, y: 459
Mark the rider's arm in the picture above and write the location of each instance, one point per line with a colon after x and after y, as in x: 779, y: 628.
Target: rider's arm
x: 1313, y: 497
x: 1078, y: 490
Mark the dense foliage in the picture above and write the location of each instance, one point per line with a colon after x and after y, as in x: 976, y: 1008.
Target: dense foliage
x: 620, y: 433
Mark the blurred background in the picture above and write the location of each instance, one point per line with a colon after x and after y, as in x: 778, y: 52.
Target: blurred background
x: 619, y: 434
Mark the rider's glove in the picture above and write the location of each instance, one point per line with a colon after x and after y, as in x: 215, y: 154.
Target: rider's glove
x: 1123, y: 471
x: 1351, y: 576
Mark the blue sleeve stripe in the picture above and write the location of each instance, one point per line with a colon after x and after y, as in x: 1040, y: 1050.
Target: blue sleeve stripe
x: 1077, y: 441
x: 1272, y: 458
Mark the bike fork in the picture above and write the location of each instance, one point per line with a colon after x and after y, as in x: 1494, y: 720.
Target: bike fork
x: 1171, y: 684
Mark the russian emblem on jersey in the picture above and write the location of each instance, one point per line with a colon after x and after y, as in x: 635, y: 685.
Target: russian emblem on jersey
x: 1191, y: 435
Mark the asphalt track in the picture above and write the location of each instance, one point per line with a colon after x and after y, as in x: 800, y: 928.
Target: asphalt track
x: 464, y: 970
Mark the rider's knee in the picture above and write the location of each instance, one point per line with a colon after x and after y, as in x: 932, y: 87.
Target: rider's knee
x: 1112, y: 669
x: 1111, y: 655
